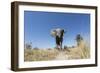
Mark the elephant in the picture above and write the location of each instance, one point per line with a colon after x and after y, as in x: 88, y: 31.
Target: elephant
x: 58, y: 33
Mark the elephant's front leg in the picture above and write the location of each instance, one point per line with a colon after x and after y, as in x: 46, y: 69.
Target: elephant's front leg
x: 57, y: 46
x: 61, y: 43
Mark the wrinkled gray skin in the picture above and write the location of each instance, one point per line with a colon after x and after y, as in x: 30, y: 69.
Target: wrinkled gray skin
x: 58, y: 34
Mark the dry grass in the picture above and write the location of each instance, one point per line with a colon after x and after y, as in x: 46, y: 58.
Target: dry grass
x: 79, y: 52
x: 39, y: 55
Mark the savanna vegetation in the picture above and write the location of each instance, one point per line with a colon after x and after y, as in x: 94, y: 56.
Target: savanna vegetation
x: 79, y: 51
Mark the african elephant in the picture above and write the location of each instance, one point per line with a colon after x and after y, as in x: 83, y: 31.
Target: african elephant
x: 58, y: 33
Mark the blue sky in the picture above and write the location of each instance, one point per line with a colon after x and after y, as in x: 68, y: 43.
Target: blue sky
x: 37, y: 27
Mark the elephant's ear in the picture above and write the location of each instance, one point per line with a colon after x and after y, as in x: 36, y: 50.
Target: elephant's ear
x: 53, y: 33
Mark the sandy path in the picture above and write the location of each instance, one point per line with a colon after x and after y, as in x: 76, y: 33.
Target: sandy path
x: 61, y: 56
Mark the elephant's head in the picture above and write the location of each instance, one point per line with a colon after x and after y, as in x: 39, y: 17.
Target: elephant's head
x: 57, y: 32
